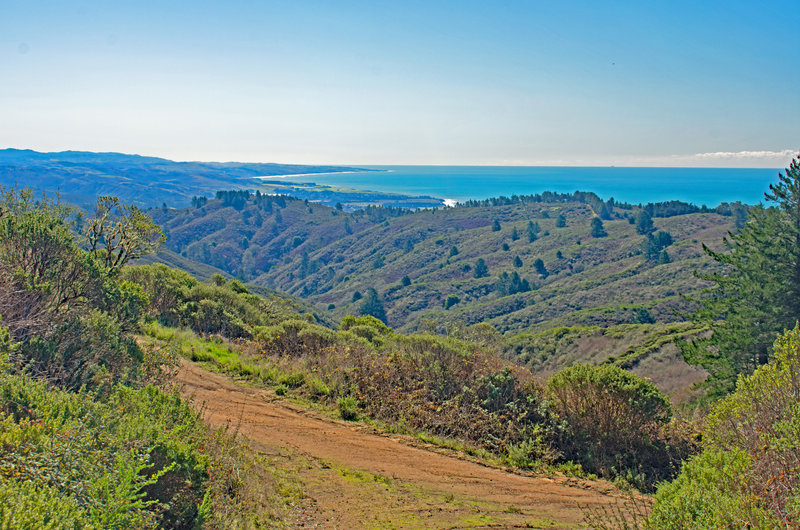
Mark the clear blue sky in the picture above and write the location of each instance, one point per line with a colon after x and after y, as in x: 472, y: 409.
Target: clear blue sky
x: 569, y: 83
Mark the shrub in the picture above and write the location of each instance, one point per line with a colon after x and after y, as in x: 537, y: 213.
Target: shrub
x: 748, y: 474
x: 351, y: 321
x: 132, y: 460
x: 348, y: 408
x: 615, y: 424
x: 709, y: 493
x: 531, y: 453
x: 317, y: 388
x: 450, y: 301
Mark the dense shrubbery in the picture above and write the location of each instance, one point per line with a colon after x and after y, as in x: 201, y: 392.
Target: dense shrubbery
x: 85, y: 441
x: 610, y: 422
x: 748, y: 475
x: 227, y: 308
x: 442, y: 386
x: 64, y: 305
x: 130, y: 460
x: 617, y: 424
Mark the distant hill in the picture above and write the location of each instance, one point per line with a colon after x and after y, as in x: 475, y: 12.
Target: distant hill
x: 148, y: 181
x: 325, y: 256
x: 618, y: 297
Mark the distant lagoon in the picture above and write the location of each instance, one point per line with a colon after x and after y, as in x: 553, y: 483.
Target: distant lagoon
x: 708, y: 186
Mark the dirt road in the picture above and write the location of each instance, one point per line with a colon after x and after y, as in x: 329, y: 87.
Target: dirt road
x: 355, y: 477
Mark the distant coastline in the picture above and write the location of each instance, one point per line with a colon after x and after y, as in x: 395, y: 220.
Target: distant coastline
x: 288, y: 175
x: 700, y: 186
x: 304, y: 174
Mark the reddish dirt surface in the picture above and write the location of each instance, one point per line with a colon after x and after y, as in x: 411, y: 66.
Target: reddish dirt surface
x: 353, y: 476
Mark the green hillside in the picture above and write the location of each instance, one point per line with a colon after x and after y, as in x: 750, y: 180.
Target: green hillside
x: 618, y: 298
x: 326, y: 256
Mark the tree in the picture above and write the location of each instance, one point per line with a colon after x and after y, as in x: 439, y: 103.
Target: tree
x: 373, y: 306
x: 644, y: 222
x: 517, y: 261
x: 758, y: 295
x: 481, y: 269
x: 496, y: 226
x: 605, y: 210
x: 406, y: 281
x: 561, y: 221
x: 453, y: 251
x: 597, y: 228
x: 514, y: 234
x: 540, y: 268
x: 656, y: 243
x: 533, y: 230
x: 508, y: 284
x: 118, y: 233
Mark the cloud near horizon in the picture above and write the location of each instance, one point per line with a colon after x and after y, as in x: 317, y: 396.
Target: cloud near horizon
x: 734, y: 155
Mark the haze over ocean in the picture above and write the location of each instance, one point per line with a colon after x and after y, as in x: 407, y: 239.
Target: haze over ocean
x: 709, y: 186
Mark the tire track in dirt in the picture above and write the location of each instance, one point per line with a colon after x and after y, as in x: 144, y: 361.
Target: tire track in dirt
x: 428, y: 483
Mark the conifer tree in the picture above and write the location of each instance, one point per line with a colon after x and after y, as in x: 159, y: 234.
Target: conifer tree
x: 533, y: 229
x: 758, y: 296
x: 373, y: 306
x: 540, y: 268
x: 644, y: 222
x: 481, y: 269
x: 597, y: 228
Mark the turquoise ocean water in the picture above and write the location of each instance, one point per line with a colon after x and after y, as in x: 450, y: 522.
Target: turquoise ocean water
x: 708, y: 186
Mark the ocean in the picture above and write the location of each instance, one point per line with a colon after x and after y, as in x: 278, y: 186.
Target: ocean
x: 709, y: 186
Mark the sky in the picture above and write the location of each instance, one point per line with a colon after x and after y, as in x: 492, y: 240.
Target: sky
x: 429, y: 82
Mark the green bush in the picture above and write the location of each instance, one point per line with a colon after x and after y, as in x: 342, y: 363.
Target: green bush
x: 747, y: 475
x: 130, y: 461
x: 348, y: 408
x: 615, y: 424
x: 711, y: 493
x: 66, y: 306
